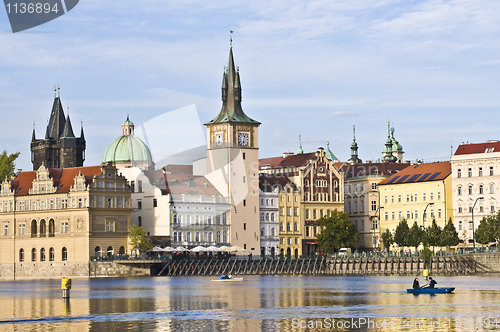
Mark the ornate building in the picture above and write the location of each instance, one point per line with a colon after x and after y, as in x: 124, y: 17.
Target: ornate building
x: 55, y: 220
x: 393, y: 151
x: 232, y: 150
x: 60, y: 148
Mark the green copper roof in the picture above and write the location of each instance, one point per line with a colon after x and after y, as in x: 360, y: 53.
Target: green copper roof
x: 127, y: 148
x: 329, y: 154
x: 300, y: 150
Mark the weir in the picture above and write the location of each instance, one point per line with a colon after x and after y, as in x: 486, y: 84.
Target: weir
x: 446, y: 265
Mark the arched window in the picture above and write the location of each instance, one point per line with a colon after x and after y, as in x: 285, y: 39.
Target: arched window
x: 51, y: 254
x: 21, y: 255
x: 97, y: 251
x: 122, y: 250
x: 481, y: 189
x: 175, y: 237
x: 179, y: 219
x: 262, y: 217
x: 188, y: 219
x: 33, y: 255
x: 110, y: 252
x: 470, y: 189
x: 51, y: 228
x: 139, y: 220
x: 281, y: 227
x: 210, y: 237
x: 272, y: 216
x: 43, y: 228
x: 188, y: 237
x: 224, y: 237
x: 267, y: 202
x: 295, y: 227
x: 209, y: 220
x: 492, y: 188
x: 262, y: 232
x: 64, y: 254
x: 273, y: 232
x: 218, y: 236
x: 42, y: 255
x: 460, y: 190
x: 288, y: 227
x: 175, y: 218
x: 179, y: 236
x: 267, y: 216
x: 197, y: 219
x: 224, y: 218
x: 197, y: 237
x: 33, y: 228
x: 272, y: 202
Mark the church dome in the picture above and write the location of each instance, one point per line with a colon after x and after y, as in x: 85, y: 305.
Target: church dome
x: 128, y: 149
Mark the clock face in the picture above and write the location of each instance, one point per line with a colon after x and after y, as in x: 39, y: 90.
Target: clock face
x: 219, y: 139
x: 243, y: 139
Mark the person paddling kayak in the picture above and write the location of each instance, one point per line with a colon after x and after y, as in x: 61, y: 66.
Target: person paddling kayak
x: 432, y: 282
x: 416, y: 284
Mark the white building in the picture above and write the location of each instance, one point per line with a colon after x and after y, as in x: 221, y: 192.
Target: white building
x: 475, y: 181
x: 268, y: 208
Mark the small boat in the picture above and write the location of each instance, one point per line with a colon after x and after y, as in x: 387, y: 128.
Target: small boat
x: 437, y: 290
x: 228, y: 280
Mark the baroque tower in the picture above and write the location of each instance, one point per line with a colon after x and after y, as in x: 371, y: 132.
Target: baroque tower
x: 233, y: 159
x: 60, y: 148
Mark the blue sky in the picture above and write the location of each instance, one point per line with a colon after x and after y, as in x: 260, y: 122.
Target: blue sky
x: 431, y: 67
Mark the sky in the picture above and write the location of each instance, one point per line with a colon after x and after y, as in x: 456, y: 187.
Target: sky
x: 431, y: 68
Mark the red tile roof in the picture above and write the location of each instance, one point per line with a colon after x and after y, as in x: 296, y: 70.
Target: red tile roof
x: 268, y: 182
x: 180, y: 180
x: 420, y: 173
x: 478, y: 148
x: 62, y: 178
x: 296, y: 160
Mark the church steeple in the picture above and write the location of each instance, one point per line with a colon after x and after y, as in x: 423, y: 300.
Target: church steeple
x: 68, y: 128
x: 33, y: 137
x: 231, y: 97
x: 354, y: 148
x: 300, y: 150
x: 82, y: 136
x: 387, y: 156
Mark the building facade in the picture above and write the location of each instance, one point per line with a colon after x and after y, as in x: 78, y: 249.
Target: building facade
x: 60, y: 148
x: 418, y: 193
x: 63, y: 217
x: 475, y: 181
x: 268, y: 207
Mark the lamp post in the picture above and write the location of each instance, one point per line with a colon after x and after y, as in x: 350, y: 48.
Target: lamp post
x: 423, y: 216
x: 473, y: 228
x: 375, y: 224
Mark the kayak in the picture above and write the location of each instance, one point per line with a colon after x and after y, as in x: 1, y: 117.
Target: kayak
x: 441, y: 290
x: 232, y: 279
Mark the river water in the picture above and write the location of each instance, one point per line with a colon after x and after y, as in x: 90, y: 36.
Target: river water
x: 258, y: 303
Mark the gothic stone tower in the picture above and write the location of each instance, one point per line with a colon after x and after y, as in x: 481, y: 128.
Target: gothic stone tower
x: 60, y: 148
x: 233, y: 153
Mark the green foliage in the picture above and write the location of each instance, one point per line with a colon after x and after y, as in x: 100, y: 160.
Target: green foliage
x: 337, y: 231
x: 449, y: 236
x: 137, y: 237
x: 415, y: 236
x: 489, y: 229
x: 433, y: 234
x: 401, y: 234
x: 387, y: 239
x: 427, y: 254
x: 7, y: 164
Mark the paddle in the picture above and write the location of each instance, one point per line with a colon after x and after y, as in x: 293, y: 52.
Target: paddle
x: 421, y: 287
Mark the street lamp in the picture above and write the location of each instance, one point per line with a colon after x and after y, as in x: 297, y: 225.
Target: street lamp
x: 423, y: 216
x: 374, y: 224
x: 473, y: 232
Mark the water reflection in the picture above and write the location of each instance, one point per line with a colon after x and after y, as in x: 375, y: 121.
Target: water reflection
x: 259, y: 303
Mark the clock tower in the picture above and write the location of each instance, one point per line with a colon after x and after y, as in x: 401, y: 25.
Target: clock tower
x: 233, y: 160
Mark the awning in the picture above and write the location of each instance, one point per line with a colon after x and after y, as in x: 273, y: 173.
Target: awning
x: 312, y: 242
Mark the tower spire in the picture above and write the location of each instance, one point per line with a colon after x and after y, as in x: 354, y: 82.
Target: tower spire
x: 33, y: 137
x: 354, y: 147
x: 300, y: 150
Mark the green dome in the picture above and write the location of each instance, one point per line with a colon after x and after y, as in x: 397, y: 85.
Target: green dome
x: 128, y: 123
x: 127, y: 148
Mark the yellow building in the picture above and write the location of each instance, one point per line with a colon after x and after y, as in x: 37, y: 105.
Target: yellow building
x: 418, y: 193
x: 54, y: 220
x: 316, y: 187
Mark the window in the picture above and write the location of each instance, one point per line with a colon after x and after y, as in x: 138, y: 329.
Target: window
x: 289, y: 212
x: 407, y: 198
x: 288, y: 228
x: 21, y: 255
x: 362, y: 206
x: 51, y: 254
x: 399, y: 215
x: 431, y: 196
x: 155, y: 202
x: 281, y: 227
x: 282, y: 211
x: 460, y: 190
x: 424, y: 196
x: 439, y: 196
x: 408, y: 216
x: 459, y: 173
x: 110, y: 225
x: 296, y: 240
x: 348, y: 207
x: 355, y: 206
x: 492, y: 188
x: 481, y: 189
x: 415, y: 199
x: 392, y: 199
x: 355, y: 188
x: 491, y: 170
x: 64, y: 227
x: 470, y: 207
x: 33, y: 255
x: 492, y: 207
x: 460, y: 209
x: 244, y: 227
x: 244, y: 179
x: 64, y: 254
x: 393, y: 215
x: 399, y: 198
x: 42, y: 255
x: 282, y: 240
x: 374, y: 186
x: 470, y: 190
x: 361, y: 187
x: 6, y: 230
x: 307, y: 213
x: 296, y: 212
x: 432, y: 213
x: 469, y: 172
x: 480, y: 171
x: 262, y: 217
x: 385, y: 199
x: 439, y: 213
x: 460, y: 225
x: 374, y: 205
x: 139, y: 205
x: 244, y: 202
x: 349, y: 188
x: 481, y: 207
x: 415, y: 215
x: 289, y: 240
x: 314, y: 214
x: 295, y: 227
x: 307, y: 231
x: 386, y: 215
x: 470, y: 225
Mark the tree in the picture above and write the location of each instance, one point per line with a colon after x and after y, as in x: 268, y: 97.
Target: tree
x: 489, y: 229
x: 337, y: 231
x: 401, y: 234
x: 415, y: 236
x: 449, y: 236
x: 137, y: 237
x: 387, y: 239
x: 433, y: 235
x: 7, y: 164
